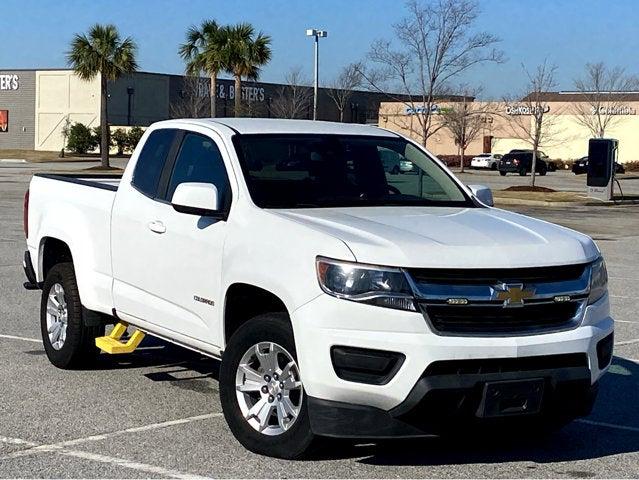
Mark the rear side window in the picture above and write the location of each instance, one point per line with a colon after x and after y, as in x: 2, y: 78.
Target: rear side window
x: 148, y: 168
x: 200, y: 161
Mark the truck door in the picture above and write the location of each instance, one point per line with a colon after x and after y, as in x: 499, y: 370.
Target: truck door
x: 167, y: 265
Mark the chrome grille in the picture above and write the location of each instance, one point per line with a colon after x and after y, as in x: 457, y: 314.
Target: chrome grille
x: 478, y: 302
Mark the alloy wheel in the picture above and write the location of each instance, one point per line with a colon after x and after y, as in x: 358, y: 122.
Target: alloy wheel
x: 268, y: 388
x: 57, y: 316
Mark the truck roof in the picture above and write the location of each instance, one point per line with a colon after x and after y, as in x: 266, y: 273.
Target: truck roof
x: 273, y: 125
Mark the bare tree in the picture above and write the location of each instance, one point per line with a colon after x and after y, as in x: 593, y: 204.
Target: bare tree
x: 293, y: 99
x: 433, y: 45
x: 605, y: 93
x: 465, y: 119
x: 342, y: 86
x: 193, y: 101
x: 529, y: 117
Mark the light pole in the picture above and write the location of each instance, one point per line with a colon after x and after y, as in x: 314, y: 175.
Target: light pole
x: 312, y: 32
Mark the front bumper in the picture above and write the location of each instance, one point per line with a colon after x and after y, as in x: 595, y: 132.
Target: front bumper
x: 327, y: 322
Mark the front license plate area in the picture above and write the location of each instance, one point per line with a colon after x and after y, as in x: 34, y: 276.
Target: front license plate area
x: 515, y: 397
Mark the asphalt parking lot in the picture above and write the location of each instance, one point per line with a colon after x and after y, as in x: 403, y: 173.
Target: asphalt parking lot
x: 155, y: 413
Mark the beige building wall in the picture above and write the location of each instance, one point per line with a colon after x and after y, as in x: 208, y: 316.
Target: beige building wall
x: 62, y: 95
x: 566, y: 139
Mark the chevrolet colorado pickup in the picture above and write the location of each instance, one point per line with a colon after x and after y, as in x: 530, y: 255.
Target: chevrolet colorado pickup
x: 343, y: 300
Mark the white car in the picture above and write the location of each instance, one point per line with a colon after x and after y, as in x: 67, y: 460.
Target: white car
x: 486, y: 160
x: 342, y: 300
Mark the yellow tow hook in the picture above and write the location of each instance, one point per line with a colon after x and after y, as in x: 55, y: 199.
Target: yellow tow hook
x: 111, y: 343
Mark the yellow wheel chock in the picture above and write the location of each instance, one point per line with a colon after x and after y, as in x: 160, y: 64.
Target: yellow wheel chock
x: 112, y: 344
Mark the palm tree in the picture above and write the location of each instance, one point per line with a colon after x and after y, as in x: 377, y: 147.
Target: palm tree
x: 245, y: 53
x: 203, y: 52
x: 102, y: 52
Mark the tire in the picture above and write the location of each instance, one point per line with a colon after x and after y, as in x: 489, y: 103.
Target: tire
x: 502, y: 173
x: 395, y: 170
x: 266, y: 330
x: 522, y: 172
x: 74, y: 347
x: 542, y: 172
x: 493, y: 166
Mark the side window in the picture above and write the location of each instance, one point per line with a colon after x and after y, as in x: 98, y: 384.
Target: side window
x: 200, y: 160
x: 151, y: 161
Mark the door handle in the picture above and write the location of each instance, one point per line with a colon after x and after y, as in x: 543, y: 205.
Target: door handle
x: 157, y: 227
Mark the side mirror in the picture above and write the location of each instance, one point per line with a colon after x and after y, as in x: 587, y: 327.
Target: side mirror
x: 483, y: 194
x: 196, y: 199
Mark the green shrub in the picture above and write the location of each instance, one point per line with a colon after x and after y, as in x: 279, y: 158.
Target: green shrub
x: 135, y: 134
x: 120, y: 139
x: 81, y: 139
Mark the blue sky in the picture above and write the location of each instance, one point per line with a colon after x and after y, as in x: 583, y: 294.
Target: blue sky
x: 35, y: 33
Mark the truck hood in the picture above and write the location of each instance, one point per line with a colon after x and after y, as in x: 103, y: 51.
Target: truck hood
x: 441, y: 237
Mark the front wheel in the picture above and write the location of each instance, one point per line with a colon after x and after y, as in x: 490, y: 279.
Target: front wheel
x: 68, y: 342
x: 261, y: 390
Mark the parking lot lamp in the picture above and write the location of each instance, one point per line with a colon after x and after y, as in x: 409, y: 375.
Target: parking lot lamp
x: 312, y: 32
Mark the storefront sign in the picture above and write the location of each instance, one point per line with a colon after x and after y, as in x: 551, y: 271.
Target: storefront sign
x: 4, y: 121
x: 9, y: 82
x: 613, y: 110
x: 434, y: 108
x: 249, y: 93
x: 526, y: 109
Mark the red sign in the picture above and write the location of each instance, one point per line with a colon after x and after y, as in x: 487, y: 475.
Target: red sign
x: 4, y: 120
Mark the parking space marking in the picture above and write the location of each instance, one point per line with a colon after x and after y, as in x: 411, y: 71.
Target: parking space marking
x: 625, y: 321
x: 141, y: 467
x: 143, y: 428
x: 608, y: 425
x: 17, y: 441
x: 61, y: 448
x: 627, y: 342
x: 35, y: 447
x: 25, y: 339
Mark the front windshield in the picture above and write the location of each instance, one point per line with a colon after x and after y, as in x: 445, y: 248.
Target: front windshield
x: 316, y: 171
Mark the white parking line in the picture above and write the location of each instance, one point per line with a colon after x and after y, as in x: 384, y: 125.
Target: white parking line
x: 140, y: 467
x: 608, y: 425
x: 62, y: 447
x: 624, y: 321
x: 627, y: 342
x: 35, y: 447
x: 25, y: 339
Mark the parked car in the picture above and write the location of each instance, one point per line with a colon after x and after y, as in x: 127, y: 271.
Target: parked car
x: 390, y: 161
x: 581, y: 166
x: 406, y: 166
x: 520, y: 161
x: 340, y: 301
x: 486, y: 160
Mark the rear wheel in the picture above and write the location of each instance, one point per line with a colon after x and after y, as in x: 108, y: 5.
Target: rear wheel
x: 502, y: 173
x: 68, y: 343
x: 522, y: 171
x: 493, y: 166
x: 261, y: 390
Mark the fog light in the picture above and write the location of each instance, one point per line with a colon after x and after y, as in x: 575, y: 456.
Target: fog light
x: 604, y: 351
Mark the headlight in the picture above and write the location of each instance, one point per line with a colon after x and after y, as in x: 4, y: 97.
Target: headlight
x: 383, y: 286
x: 598, y: 280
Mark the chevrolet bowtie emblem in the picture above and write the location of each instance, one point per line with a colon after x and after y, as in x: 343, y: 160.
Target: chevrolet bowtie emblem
x: 513, y: 294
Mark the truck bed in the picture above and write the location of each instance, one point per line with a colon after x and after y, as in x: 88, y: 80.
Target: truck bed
x: 104, y: 181
x: 69, y: 207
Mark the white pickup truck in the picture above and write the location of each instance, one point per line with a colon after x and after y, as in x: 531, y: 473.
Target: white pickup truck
x: 341, y: 299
